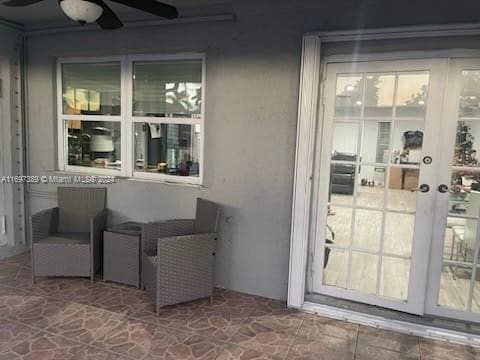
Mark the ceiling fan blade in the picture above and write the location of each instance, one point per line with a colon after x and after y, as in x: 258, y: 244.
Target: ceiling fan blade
x: 108, y: 20
x: 152, y: 7
x: 18, y: 3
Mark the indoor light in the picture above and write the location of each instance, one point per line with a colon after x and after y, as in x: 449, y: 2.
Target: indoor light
x: 82, y: 11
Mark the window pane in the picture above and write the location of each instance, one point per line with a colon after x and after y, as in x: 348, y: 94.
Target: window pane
x: 335, y: 267
x: 470, y: 94
x: 412, y: 94
x: 339, y: 225
x: 167, y: 87
x: 454, y: 286
x: 367, y: 230
x: 363, y: 274
x: 379, y: 89
x: 395, y: 276
x: 91, y: 89
x: 94, y: 144
x: 349, y: 95
x: 172, y: 149
x: 371, y: 187
x: 376, y: 141
x: 398, y: 235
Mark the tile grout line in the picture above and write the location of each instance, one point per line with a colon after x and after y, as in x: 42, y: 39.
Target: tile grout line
x: 295, y: 337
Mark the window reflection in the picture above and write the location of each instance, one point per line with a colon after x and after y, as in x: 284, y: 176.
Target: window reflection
x: 91, y: 89
x: 167, y: 88
x: 94, y: 144
x: 172, y: 149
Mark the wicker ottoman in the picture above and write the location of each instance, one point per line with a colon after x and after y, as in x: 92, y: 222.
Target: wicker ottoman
x: 121, y: 254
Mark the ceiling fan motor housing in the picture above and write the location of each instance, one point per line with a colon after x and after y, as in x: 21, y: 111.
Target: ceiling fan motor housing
x: 82, y: 11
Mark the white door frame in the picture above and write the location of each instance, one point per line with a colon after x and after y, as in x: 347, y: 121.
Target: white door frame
x: 310, y: 121
x: 428, y: 175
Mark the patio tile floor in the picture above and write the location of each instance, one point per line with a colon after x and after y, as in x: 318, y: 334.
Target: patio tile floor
x: 72, y: 319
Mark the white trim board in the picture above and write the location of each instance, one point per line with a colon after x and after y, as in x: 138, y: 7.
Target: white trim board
x: 310, y: 118
x: 404, y: 327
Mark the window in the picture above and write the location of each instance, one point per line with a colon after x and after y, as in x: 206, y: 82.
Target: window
x: 135, y: 116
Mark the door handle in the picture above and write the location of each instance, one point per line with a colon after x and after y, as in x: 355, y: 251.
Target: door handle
x: 424, y: 188
x: 442, y: 188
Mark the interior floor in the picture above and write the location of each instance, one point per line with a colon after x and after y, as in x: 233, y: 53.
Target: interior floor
x: 398, y: 232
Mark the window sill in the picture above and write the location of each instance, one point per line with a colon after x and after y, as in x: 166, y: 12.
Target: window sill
x: 117, y: 177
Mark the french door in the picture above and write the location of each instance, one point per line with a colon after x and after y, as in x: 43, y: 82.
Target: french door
x: 454, y: 280
x: 378, y: 169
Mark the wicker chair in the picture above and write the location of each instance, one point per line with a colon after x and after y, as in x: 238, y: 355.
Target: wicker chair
x: 178, y: 257
x: 67, y: 240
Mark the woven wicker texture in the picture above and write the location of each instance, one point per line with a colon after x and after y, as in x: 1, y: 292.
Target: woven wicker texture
x: 61, y: 246
x: 121, y: 258
x: 154, y: 230
x: 185, y: 268
x: 77, y: 205
x: 177, y: 264
x: 44, y: 223
x: 206, y: 217
x: 62, y: 260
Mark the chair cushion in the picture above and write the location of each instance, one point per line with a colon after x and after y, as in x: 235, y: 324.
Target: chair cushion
x: 67, y: 239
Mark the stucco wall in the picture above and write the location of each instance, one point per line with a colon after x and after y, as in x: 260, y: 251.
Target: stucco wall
x: 253, y: 67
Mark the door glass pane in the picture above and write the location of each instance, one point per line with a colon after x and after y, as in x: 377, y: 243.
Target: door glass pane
x: 371, y: 187
x: 476, y: 292
x: 376, y: 141
x: 349, y: 95
x: 470, y: 94
x: 379, y: 89
x: 412, y: 91
x: 345, y: 138
x: 335, y: 271
x: 467, y: 144
x: 342, y: 183
x: 367, y: 230
x: 460, y: 235
x: 172, y: 149
x: 395, y: 277
x: 398, y: 235
x: 461, y: 185
x: 363, y: 275
x: 407, y: 142
x: 171, y: 87
x: 454, y: 286
x: 94, y: 144
x: 339, y: 223
x: 91, y: 89
x: 401, y: 182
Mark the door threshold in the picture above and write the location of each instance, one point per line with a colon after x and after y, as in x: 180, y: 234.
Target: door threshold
x: 436, y: 328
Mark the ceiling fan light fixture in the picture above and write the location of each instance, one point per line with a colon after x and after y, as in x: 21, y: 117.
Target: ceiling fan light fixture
x: 82, y: 11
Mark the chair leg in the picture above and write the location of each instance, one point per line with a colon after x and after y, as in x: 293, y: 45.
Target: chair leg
x: 211, y: 299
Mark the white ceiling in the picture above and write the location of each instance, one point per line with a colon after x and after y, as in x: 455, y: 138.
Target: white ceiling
x: 49, y: 11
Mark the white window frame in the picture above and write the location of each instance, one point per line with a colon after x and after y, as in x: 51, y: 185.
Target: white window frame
x: 128, y: 120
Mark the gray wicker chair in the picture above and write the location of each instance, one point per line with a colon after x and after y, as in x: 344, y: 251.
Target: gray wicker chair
x: 67, y: 240
x: 178, y: 257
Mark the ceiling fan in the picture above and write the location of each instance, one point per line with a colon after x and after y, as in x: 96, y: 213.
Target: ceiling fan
x: 89, y: 11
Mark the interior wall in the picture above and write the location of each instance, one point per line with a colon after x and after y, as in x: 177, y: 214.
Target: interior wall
x: 253, y: 67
